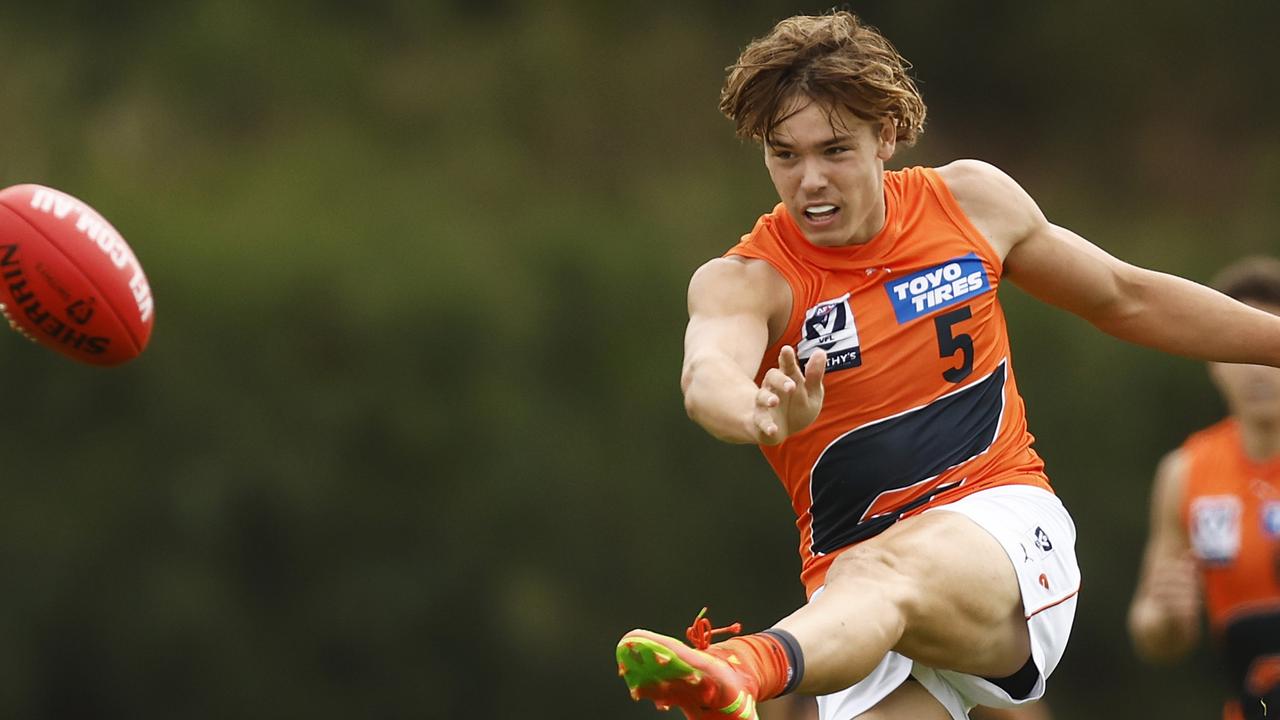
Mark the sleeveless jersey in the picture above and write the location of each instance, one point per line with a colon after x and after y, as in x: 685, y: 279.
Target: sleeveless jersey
x: 921, y: 407
x: 1231, y: 510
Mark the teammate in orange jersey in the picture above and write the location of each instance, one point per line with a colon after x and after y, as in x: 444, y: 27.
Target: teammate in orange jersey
x: 854, y: 334
x: 1215, y: 521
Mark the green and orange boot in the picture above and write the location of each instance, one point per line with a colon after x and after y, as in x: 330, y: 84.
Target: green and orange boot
x: 704, y: 685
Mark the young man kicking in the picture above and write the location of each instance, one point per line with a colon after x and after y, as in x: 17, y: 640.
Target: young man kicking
x: 855, y: 335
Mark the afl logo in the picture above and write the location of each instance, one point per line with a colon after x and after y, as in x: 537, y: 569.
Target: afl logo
x: 829, y: 326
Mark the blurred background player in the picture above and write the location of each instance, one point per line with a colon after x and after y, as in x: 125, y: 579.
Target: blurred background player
x: 1215, y: 524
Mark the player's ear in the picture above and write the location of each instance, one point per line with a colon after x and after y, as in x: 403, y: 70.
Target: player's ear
x: 886, y: 140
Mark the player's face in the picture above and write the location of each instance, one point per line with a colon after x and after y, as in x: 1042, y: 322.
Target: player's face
x: 1252, y: 392
x: 827, y: 166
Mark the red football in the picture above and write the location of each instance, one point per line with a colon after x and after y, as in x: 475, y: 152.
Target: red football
x: 68, y: 280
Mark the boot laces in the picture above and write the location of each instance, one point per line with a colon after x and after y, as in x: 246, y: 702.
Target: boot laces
x: 700, y: 632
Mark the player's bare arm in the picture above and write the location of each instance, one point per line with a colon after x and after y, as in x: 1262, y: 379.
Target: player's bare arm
x: 1142, y: 306
x: 736, y: 309
x: 1164, y: 619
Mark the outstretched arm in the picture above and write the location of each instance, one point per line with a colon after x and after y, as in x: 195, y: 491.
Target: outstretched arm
x: 1142, y: 306
x: 1164, y: 619
x: 735, y: 307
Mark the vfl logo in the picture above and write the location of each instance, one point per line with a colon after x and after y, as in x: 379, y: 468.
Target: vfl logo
x: 1042, y: 540
x: 940, y: 286
x: 1215, y: 528
x: 829, y: 326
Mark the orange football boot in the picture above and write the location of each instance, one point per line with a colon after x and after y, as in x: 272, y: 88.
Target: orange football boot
x: 704, y: 685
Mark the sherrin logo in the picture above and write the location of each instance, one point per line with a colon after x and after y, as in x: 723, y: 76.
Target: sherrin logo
x: 937, y: 287
x: 22, y: 301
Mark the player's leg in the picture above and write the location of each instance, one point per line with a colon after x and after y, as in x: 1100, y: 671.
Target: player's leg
x: 909, y: 702
x: 1034, y: 711
x: 936, y: 588
x: 789, y: 707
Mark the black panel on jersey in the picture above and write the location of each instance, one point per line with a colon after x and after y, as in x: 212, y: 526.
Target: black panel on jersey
x: 1248, y: 639
x: 897, y: 453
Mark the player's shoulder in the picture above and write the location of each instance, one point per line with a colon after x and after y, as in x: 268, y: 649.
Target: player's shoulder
x: 1171, y: 481
x: 978, y: 181
x: 734, y: 269
x: 1221, y: 434
x: 995, y: 203
x: 739, y: 281
x: 1172, y: 467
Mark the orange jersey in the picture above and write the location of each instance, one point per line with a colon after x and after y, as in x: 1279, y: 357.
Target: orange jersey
x: 1231, y: 510
x: 921, y: 406
x: 1231, y: 507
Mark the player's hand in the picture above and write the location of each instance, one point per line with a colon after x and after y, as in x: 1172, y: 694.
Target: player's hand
x: 1174, y: 585
x: 789, y: 400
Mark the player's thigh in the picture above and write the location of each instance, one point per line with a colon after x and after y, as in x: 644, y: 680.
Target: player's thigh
x: 909, y: 702
x: 1034, y: 711
x: 955, y: 587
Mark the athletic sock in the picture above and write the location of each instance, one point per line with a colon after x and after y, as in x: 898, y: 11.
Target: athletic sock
x: 773, y: 657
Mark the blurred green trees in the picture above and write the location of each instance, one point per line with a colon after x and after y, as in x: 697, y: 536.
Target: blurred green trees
x: 408, y: 441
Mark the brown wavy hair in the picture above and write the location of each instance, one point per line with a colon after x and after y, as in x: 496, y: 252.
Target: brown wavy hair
x: 833, y: 59
x: 1251, y: 279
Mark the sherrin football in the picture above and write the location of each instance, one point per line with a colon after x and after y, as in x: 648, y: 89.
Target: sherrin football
x: 68, y: 280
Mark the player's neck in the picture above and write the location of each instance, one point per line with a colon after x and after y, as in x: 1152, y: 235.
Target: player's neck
x: 1260, y: 439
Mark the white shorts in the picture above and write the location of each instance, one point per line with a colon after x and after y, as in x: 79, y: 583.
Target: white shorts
x: 1039, y: 537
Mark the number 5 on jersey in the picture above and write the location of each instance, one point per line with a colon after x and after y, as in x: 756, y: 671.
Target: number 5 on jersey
x: 950, y: 343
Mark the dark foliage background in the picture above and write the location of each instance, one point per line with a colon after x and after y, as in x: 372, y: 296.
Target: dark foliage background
x: 408, y: 440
